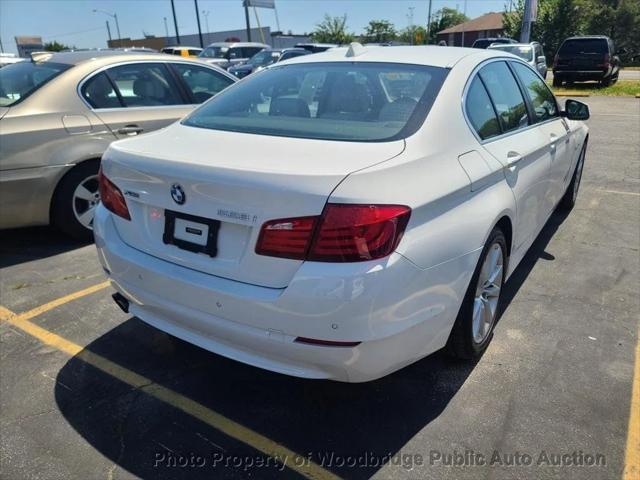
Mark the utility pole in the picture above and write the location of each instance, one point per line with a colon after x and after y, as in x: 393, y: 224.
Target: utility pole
x: 528, y: 18
x: 166, y: 29
x: 175, y: 22
x: 410, y: 21
x: 246, y: 18
x: 108, y: 30
x: 115, y: 17
x: 195, y: 2
x: 463, y: 27
x: 429, y: 24
x: 205, y: 14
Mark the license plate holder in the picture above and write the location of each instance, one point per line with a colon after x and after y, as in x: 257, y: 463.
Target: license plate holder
x: 192, y: 225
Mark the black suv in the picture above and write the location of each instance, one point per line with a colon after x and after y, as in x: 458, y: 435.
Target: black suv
x: 586, y: 58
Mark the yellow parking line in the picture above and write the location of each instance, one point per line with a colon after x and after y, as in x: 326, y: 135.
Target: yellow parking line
x: 632, y: 454
x: 227, y: 426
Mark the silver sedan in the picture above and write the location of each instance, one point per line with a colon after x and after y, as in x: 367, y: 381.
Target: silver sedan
x: 59, y: 112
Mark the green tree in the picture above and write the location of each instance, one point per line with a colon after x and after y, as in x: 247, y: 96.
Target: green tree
x: 55, y: 46
x: 379, y: 31
x: 444, y: 18
x: 332, y: 30
x: 414, y: 35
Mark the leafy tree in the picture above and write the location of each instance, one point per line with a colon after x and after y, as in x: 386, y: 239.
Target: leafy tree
x: 444, y: 18
x: 332, y: 30
x: 414, y: 35
x: 379, y: 31
x: 55, y: 46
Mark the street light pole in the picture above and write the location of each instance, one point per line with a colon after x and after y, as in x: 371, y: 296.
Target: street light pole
x: 246, y: 19
x: 115, y: 17
x: 429, y: 24
x: 108, y: 30
x: 175, y: 22
x: 195, y: 2
x: 205, y: 14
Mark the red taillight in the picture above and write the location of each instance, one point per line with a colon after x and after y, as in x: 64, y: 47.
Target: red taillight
x: 343, y: 233
x: 287, y: 237
x: 112, y: 198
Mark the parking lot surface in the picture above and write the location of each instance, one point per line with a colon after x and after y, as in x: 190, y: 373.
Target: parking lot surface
x: 88, y: 392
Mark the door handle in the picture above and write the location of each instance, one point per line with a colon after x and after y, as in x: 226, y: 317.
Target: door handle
x: 553, y: 138
x: 130, y: 130
x: 513, y: 158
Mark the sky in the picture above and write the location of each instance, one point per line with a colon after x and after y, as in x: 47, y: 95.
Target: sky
x: 73, y: 22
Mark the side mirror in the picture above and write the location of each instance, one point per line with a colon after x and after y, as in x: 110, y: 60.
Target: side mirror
x: 542, y: 59
x: 575, y: 110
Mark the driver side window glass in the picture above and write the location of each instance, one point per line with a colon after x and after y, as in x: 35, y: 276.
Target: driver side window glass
x: 542, y: 100
x: 506, y: 96
x: 480, y: 111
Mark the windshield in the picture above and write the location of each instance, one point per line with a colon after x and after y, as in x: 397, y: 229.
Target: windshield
x: 214, y: 52
x: 589, y: 45
x: 20, y: 80
x: 264, y: 58
x: 332, y: 101
x: 524, y: 52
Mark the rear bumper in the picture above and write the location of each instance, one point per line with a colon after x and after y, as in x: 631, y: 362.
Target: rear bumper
x: 581, y: 74
x: 398, y: 312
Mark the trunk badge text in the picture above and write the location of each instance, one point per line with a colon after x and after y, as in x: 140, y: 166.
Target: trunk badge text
x: 178, y: 195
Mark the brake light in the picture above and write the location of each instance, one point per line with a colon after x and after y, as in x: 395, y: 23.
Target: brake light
x: 111, y: 197
x: 607, y: 61
x: 343, y: 233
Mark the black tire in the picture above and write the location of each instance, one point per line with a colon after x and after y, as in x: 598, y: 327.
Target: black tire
x: 606, y: 82
x: 557, y: 82
x: 568, y: 200
x: 461, y: 343
x: 62, y: 205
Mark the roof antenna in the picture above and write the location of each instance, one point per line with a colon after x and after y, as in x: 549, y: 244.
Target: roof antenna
x: 355, y: 49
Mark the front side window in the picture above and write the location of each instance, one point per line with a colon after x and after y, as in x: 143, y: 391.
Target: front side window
x: 203, y: 83
x: 214, y: 52
x: 506, y: 96
x: 542, y: 100
x: 20, y: 80
x: 144, y: 85
x: 480, y: 111
x: 332, y: 101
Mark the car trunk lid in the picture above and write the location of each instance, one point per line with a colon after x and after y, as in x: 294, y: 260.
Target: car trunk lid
x: 241, y: 180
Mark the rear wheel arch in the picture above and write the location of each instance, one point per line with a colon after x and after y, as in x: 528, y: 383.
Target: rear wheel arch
x: 506, y: 226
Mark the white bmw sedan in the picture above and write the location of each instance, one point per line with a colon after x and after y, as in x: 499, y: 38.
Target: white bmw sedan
x: 343, y: 214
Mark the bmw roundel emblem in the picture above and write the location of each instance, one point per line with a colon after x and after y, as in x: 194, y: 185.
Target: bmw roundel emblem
x: 177, y: 193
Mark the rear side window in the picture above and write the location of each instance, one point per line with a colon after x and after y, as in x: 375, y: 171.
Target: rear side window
x: 203, y: 83
x: 20, y: 80
x: 480, y: 111
x: 99, y: 92
x: 145, y: 85
x: 194, y: 53
x: 506, y: 96
x: 584, y: 46
x: 542, y: 100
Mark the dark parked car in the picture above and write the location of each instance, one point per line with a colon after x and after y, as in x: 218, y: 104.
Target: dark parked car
x: 485, y: 42
x: 316, y: 47
x: 586, y: 58
x: 264, y: 58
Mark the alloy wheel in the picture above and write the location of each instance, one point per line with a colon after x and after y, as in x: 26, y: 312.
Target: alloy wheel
x: 485, y: 304
x: 85, y: 200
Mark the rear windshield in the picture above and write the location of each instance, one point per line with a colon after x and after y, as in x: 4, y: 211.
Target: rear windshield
x: 524, y: 52
x: 20, y: 80
x: 214, y: 52
x: 331, y: 101
x: 587, y: 45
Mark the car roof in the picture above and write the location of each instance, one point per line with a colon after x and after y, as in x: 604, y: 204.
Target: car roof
x: 431, y: 55
x: 238, y: 44
x: 182, y: 47
x: 104, y: 57
x: 588, y: 37
x: 502, y: 45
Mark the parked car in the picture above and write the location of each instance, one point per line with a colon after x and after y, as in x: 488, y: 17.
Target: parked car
x: 264, y: 58
x: 354, y: 217
x: 586, y: 58
x: 9, y: 59
x: 181, y: 51
x: 227, y: 54
x: 486, y: 42
x: 531, y: 53
x: 316, y: 47
x: 59, y: 112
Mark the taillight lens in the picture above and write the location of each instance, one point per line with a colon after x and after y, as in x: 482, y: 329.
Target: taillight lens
x: 286, y: 238
x: 343, y: 233
x: 112, y: 198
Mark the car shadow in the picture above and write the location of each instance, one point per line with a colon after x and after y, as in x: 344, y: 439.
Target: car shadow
x: 26, y: 244
x: 328, y: 421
